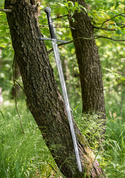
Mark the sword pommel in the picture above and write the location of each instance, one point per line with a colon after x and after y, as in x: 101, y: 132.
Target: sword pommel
x: 47, y: 9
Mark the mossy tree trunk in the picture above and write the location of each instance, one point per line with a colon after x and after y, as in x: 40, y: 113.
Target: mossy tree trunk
x: 89, y: 62
x: 43, y: 97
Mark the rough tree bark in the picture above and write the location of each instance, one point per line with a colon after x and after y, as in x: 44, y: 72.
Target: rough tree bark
x: 43, y: 96
x: 88, y: 61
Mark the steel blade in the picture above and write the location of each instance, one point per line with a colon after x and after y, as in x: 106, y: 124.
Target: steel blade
x: 66, y: 100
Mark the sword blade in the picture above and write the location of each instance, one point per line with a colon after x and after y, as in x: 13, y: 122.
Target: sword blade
x: 66, y: 100
x: 63, y: 85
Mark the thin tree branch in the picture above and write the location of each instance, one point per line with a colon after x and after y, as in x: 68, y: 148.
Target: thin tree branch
x: 66, y: 27
x: 123, y: 26
x: 70, y: 42
x: 19, y: 84
x: 113, y: 18
x: 60, y: 17
x: 60, y: 45
x: 6, y: 10
x: 96, y: 37
x: 110, y: 19
x: 107, y: 29
x: 120, y: 23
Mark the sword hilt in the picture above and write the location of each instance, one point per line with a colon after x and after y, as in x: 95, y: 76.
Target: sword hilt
x: 48, y: 10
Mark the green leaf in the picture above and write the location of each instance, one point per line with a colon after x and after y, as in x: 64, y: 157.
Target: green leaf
x: 119, y: 32
x: 76, y: 4
x: 83, y: 8
x: 73, y: 19
x: 70, y: 2
x: 2, y: 75
x: 117, y: 4
x: 3, y: 30
x: 62, y: 5
x: 6, y: 40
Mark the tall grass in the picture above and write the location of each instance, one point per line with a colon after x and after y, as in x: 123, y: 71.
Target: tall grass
x: 23, y: 155
x: 113, y: 159
x: 111, y: 154
x: 26, y: 155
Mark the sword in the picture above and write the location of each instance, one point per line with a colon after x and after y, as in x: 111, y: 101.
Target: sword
x: 63, y: 85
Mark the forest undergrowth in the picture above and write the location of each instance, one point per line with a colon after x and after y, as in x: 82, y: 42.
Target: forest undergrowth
x: 27, y: 156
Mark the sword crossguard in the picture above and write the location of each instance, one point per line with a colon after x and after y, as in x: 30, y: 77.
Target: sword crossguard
x: 52, y: 39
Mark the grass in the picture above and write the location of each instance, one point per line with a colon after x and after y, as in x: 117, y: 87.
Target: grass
x: 111, y: 156
x: 113, y: 159
x: 22, y: 155
x: 26, y: 155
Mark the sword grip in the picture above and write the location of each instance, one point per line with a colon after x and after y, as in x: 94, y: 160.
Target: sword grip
x: 50, y: 23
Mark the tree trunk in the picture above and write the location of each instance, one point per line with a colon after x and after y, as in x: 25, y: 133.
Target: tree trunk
x: 89, y: 62
x: 43, y: 96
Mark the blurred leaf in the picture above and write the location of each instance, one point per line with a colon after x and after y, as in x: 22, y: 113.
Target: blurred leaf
x: 119, y: 32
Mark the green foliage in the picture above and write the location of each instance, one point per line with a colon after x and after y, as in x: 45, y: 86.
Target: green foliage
x: 68, y: 7
x: 6, y: 56
x: 91, y: 126
x: 112, y: 59
x: 111, y: 151
x: 23, y: 155
x: 114, y: 148
x: 109, y: 15
x: 27, y: 155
